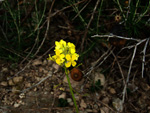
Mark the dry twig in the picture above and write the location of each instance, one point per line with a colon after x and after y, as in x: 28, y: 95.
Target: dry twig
x: 86, y: 30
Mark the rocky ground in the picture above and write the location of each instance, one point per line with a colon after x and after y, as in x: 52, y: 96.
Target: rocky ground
x: 42, y: 88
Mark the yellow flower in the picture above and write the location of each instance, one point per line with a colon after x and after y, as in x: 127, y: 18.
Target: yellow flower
x: 64, y: 54
x: 70, y: 60
x: 63, y: 43
x: 60, y: 45
x: 59, y: 58
x: 71, y: 47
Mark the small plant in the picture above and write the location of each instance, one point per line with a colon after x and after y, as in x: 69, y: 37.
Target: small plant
x: 134, y: 15
x: 96, y: 86
x: 62, y: 102
x: 66, y: 56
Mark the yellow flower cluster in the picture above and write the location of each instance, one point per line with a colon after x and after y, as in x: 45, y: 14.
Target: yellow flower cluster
x: 65, y: 54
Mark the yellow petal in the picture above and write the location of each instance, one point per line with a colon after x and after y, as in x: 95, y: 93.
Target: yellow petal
x: 58, y: 61
x: 72, y: 51
x: 57, y: 51
x: 62, y: 56
x: 63, y: 43
x: 74, y: 63
x: 68, y: 64
x: 68, y: 57
x: 71, y: 45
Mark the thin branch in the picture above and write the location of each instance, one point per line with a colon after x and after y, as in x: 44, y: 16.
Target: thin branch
x: 116, y: 36
x: 144, y: 52
x: 81, y: 10
x: 119, y: 67
x: 86, y: 30
x: 104, y: 57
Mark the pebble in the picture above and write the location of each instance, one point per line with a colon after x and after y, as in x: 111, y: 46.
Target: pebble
x: 4, y: 69
x: 104, y: 110
x: 69, y: 100
x: 11, y: 83
x: 95, y: 106
x: 63, y: 95
x: 17, y: 80
x: 117, y: 104
x: 35, y: 89
x: 15, y: 89
x: 101, y: 77
x: 37, y: 62
x: 112, y: 90
x: 105, y: 100
x: 44, y: 62
x: 45, y: 71
x: 71, y: 103
x: 49, y: 62
x: 3, y: 83
x: 56, y: 66
x: 41, y: 69
x: 16, y: 105
x: 83, y: 104
x: 11, y: 73
x: 89, y: 110
x: 22, y: 95
x: 28, y: 84
x: 83, y: 112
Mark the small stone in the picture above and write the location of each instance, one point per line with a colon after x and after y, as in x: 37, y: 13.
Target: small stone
x: 4, y: 69
x: 45, y: 93
x: 35, y: 89
x: 117, y: 104
x: 22, y: 95
x: 69, y: 100
x: 45, y: 71
x: 101, y: 77
x: 63, y: 95
x: 56, y: 66
x: 89, y: 110
x: 11, y: 73
x: 77, y: 97
x: 28, y: 84
x: 37, y: 62
x: 104, y: 110
x: 16, y: 105
x: 3, y: 83
x: 83, y: 111
x: 71, y: 103
x: 38, y: 78
x: 44, y: 62
x: 105, y: 100
x: 83, y: 104
x: 41, y: 69
x: 49, y: 62
x: 15, y: 89
x: 11, y: 83
x: 112, y: 90
x: 95, y: 106
x: 17, y: 80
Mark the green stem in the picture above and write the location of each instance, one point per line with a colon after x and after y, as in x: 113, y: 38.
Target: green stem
x: 74, y: 100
